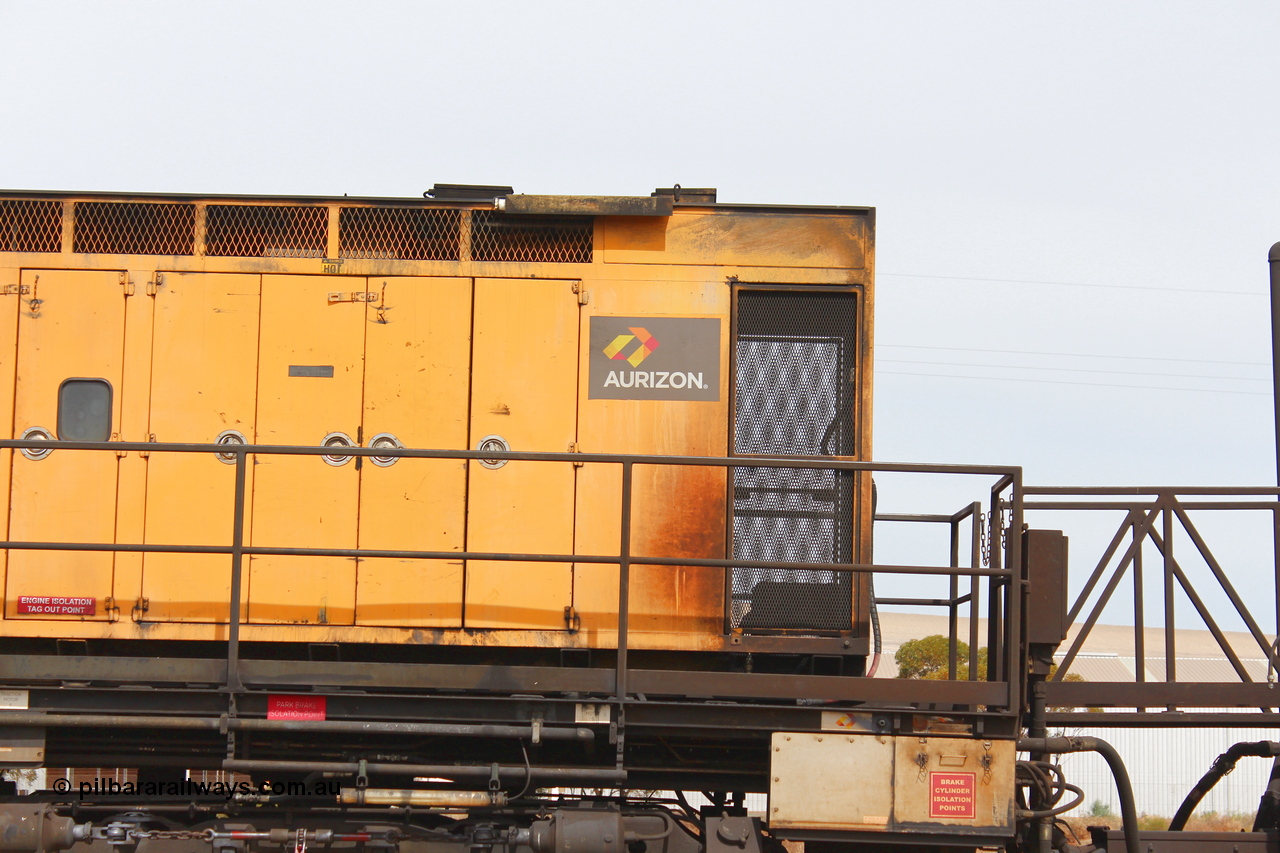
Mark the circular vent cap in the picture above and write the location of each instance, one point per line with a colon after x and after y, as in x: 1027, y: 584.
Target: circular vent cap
x: 385, y: 439
x: 493, y: 442
x: 229, y: 436
x: 337, y: 439
x: 36, y: 434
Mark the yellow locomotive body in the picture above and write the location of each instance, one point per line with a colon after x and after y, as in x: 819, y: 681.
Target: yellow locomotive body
x: 668, y: 325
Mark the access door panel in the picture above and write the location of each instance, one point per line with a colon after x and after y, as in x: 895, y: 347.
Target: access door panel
x: 70, y: 352
x: 310, y: 373
x: 417, y: 352
x: 524, y: 390
x: 204, y: 372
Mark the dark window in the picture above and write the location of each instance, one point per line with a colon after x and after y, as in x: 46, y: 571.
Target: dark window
x: 84, y: 410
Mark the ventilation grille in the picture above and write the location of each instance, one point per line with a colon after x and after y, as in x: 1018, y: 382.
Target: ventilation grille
x: 255, y: 231
x: 296, y: 231
x: 533, y: 239
x: 129, y: 228
x: 30, y: 226
x: 794, y: 372
x: 399, y: 233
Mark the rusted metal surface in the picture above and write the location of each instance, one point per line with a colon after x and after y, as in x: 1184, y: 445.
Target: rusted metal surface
x: 519, y: 772
x: 590, y: 205
x: 918, y: 785
x: 1155, y: 523
x: 1153, y: 841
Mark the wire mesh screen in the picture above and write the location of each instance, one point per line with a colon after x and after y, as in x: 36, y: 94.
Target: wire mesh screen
x: 28, y: 225
x: 135, y: 228
x: 400, y: 233
x: 794, y: 382
x: 539, y: 239
x: 266, y: 231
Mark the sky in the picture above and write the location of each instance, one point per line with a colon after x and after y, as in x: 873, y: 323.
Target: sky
x: 1074, y: 200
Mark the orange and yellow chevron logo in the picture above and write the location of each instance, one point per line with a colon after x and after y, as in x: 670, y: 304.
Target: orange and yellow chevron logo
x: 648, y: 343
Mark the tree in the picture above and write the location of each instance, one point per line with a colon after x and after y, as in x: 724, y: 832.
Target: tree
x: 927, y: 658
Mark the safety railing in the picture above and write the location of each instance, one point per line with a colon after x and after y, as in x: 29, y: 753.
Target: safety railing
x: 998, y: 690
x: 1161, y: 523
x: 955, y: 600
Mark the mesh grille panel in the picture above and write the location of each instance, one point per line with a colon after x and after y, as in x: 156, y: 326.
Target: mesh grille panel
x: 401, y: 233
x: 254, y: 231
x: 794, y: 360
x: 30, y: 226
x: 542, y: 239
x: 131, y: 228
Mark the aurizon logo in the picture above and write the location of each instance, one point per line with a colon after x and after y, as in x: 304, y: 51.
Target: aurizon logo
x: 648, y: 343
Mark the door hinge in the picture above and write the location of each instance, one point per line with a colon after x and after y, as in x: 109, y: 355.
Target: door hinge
x: 126, y: 284
x: 17, y: 289
x: 572, y: 621
x: 140, y: 608
x: 574, y: 447
x: 584, y: 295
x: 153, y: 286
x: 111, y: 609
x: 147, y: 453
x: 354, y: 296
x: 115, y: 436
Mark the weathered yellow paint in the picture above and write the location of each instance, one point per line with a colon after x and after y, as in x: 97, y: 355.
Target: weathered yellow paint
x: 745, y: 239
x: 9, y: 278
x: 524, y: 388
x: 422, y: 377
x: 662, y: 598
x: 204, y: 358
x: 301, y: 501
x: 416, y: 386
x: 131, y: 488
x: 70, y: 325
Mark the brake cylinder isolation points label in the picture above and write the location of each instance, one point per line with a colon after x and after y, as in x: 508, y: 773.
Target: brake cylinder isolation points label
x: 654, y: 358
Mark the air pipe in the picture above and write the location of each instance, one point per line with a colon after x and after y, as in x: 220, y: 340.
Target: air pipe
x: 1061, y: 745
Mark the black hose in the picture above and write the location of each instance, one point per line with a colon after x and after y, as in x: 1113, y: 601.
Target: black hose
x: 1060, y: 745
x: 1222, y: 765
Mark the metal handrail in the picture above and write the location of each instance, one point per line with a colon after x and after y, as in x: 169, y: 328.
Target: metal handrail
x: 1009, y: 479
x: 1156, y: 516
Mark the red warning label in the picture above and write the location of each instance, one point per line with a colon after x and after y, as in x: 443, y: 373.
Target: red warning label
x: 295, y: 707
x: 57, y: 605
x: 953, y: 795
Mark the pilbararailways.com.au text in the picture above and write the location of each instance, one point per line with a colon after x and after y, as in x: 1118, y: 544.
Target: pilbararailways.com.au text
x: 192, y: 788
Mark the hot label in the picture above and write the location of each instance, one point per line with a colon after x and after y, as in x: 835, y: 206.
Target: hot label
x: 953, y: 795
x: 57, y: 605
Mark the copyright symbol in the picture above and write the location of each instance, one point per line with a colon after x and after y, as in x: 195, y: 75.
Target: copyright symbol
x: 62, y: 786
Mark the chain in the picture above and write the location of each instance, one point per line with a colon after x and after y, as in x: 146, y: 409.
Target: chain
x: 984, y: 539
x: 170, y: 834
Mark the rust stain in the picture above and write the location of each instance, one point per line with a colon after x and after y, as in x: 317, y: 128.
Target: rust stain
x: 680, y: 513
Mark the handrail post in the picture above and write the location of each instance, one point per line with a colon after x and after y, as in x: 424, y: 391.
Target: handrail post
x: 624, y: 583
x: 1017, y: 598
x: 996, y: 586
x: 953, y: 609
x: 975, y: 588
x: 237, y: 571
x: 1170, y: 649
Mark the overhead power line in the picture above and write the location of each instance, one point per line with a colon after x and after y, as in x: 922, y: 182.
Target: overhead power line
x: 1071, y: 370
x: 1076, y: 354
x: 1066, y: 382
x: 1072, y: 284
